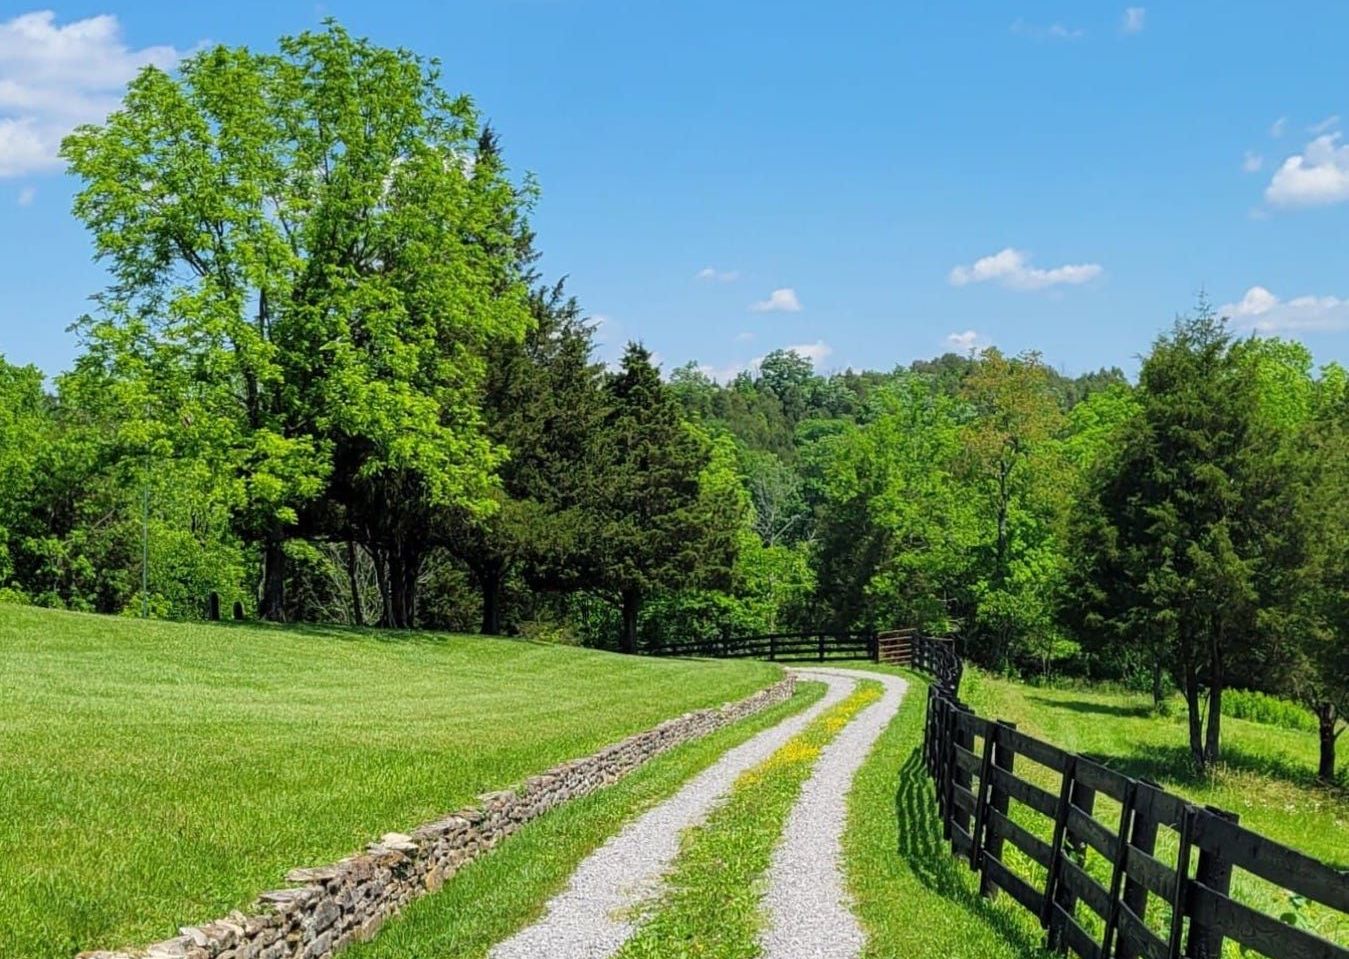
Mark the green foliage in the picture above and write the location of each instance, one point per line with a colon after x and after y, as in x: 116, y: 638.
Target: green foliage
x: 1258, y: 707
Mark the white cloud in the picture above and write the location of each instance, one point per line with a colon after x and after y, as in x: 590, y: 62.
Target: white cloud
x: 744, y: 337
x: 1262, y: 311
x: 964, y: 342
x: 1277, y: 127
x: 1316, y: 176
x: 1012, y: 269
x: 27, y: 195
x: 779, y: 301
x: 55, y: 77
x: 816, y: 352
x: 714, y: 275
x: 1325, y: 126
x: 1252, y: 162
x: 1134, y: 19
x: 1055, y: 31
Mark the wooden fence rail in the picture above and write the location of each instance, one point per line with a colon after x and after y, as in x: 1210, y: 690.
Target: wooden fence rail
x: 1098, y: 885
x: 817, y: 646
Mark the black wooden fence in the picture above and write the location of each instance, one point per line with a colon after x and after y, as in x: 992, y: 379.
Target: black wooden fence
x: 1104, y: 887
x: 780, y: 647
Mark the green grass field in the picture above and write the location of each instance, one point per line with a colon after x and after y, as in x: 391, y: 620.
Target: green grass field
x: 155, y: 774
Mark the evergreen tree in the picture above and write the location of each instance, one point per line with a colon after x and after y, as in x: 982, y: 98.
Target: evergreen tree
x: 649, y: 527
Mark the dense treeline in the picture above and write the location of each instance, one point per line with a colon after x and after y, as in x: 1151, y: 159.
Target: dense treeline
x: 326, y: 382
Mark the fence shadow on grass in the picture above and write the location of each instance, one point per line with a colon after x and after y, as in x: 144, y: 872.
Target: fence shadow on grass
x: 928, y: 857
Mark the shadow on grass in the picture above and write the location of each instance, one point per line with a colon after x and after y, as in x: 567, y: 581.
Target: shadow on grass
x: 1136, y: 711
x: 1174, y: 764
x: 929, y: 857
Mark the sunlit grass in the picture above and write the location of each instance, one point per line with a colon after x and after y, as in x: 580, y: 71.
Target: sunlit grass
x: 158, y: 774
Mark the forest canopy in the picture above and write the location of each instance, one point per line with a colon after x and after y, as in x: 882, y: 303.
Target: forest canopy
x: 327, y: 383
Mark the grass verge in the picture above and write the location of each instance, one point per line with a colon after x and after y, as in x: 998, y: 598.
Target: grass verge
x: 912, y: 897
x: 497, y: 895
x: 158, y: 774
x: 711, y: 906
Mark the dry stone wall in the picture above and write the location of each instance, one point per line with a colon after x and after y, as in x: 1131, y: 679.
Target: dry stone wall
x: 329, y: 907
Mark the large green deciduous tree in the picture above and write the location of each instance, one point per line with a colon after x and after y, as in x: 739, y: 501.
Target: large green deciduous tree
x: 321, y: 242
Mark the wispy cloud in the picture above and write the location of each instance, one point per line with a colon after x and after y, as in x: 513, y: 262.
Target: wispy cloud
x: 1325, y: 126
x: 1054, y: 31
x: 27, y: 195
x: 713, y: 275
x: 1262, y: 311
x: 1252, y: 162
x: 1317, y: 176
x: 1011, y: 268
x: 779, y: 301
x: 55, y: 77
x: 1277, y: 128
x: 1135, y: 18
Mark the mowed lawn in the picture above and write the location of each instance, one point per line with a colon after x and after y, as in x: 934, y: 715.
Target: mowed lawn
x: 157, y: 774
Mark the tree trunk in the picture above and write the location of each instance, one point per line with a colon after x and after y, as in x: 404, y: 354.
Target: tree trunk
x: 1196, y: 721
x: 1215, y: 717
x: 632, y: 605
x: 1217, y: 679
x: 381, y: 558
x: 405, y: 566
x: 273, y: 604
x: 489, y: 578
x: 357, y: 613
x: 1326, y: 718
x: 1156, y: 680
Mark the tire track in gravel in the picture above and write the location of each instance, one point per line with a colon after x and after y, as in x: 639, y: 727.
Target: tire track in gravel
x: 592, y: 917
x: 809, y: 915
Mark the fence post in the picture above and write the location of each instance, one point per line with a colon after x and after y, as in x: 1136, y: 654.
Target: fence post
x: 1004, y: 758
x: 1126, y: 813
x: 1215, y: 871
x: 1182, y: 883
x: 1048, y: 918
x: 1143, y: 837
x: 772, y: 648
x: 1084, y: 798
x: 981, y: 801
x: 961, y: 777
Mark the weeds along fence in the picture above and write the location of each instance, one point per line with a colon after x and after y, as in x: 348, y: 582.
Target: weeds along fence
x: 1110, y: 865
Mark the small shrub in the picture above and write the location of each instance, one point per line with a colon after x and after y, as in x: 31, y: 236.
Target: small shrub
x: 1270, y: 710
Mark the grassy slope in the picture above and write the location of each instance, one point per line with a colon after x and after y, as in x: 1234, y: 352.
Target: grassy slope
x: 155, y: 774
x: 1267, y: 776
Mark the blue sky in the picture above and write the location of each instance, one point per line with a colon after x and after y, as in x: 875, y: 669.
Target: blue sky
x: 871, y: 182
